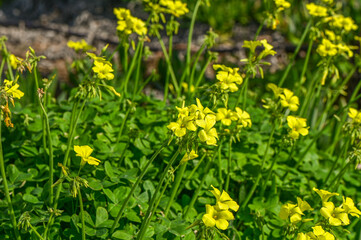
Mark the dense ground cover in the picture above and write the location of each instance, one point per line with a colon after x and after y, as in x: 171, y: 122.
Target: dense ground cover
x: 244, y: 155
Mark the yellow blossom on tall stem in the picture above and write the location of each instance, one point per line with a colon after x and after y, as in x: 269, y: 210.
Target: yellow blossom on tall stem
x: 294, y: 211
x: 103, y: 70
x: 289, y: 100
x: 208, y: 134
x: 282, y: 4
x: 84, y: 152
x: 244, y: 119
x: 226, y: 116
x: 324, y: 194
x: 189, y: 156
x: 336, y: 216
x: 327, y: 48
x: 355, y: 115
x: 320, y: 233
x: 180, y: 127
x: 350, y: 207
x: 228, y: 77
x: 224, y: 201
x: 298, y: 126
x: 217, y: 218
x: 81, y: 45
x: 316, y: 10
x: 11, y: 88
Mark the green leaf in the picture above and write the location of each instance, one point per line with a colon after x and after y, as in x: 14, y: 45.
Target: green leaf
x: 109, y: 169
x: 121, y: 234
x: 110, y: 195
x: 28, y: 151
x: 30, y: 198
x: 101, y: 216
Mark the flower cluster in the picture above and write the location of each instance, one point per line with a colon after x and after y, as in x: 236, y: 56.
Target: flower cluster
x: 176, y: 8
x: 189, y: 156
x: 8, y: 92
x: 285, y: 97
x: 103, y: 69
x: 227, y: 116
x: 81, y: 45
x: 254, y: 61
x: 15, y: 61
x: 192, y: 117
x: 294, y: 211
x: 334, y: 216
x: 272, y: 16
x: 316, y: 10
x: 128, y: 24
x: 228, y: 78
x: 219, y: 214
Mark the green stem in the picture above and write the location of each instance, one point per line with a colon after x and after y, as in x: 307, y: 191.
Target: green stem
x: 122, y: 208
x: 199, y: 188
x: 250, y: 193
x: 1, y: 69
x: 243, y: 93
x: 36, y: 232
x: 190, y: 176
x: 220, y: 168
x: 151, y: 208
x: 6, y: 189
x: 342, y: 153
x: 305, y: 64
x: 82, y: 214
x: 229, y: 165
x: 339, y: 177
x: 190, y: 35
x: 191, y: 79
x: 166, y: 87
x: 125, y: 55
x: 259, y: 30
x: 310, y: 93
x: 175, y: 187
x: 285, y: 74
x: 167, y: 59
x: 132, y: 66
x: 137, y: 75
x: 200, y: 77
x: 123, y: 124
x: 51, y: 158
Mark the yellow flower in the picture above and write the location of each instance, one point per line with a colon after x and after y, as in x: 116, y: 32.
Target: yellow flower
x: 139, y: 26
x: 302, y: 236
x: 228, y: 77
x: 282, y: 4
x: 182, y: 112
x: 180, y: 127
x: 345, y: 23
x: 103, y: 70
x: 294, y: 211
x: 80, y: 45
x: 320, y: 234
x: 176, y: 8
x: 224, y: 201
x: 350, y: 208
x: 251, y: 45
x: 84, y: 152
x: 298, y: 126
x: 336, y: 216
x: 327, y: 48
x: 200, y: 112
x: 343, y: 48
x: 325, y: 195
x: 316, y: 10
x: 208, y: 134
x: 328, y: 1
x: 11, y: 88
x: 226, y: 116
x: 289, y: 100
x: 14, y: 61
x: 244, y: 119
x: 217, y: 218
x: 268, y: 49
x: 355, y: 115
x: 275, y: 89
x: 189, y: 156
x: 121, y: 13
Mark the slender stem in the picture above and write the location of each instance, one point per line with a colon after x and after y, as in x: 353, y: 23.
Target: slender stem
x: 190, y: 176
x: 125, y: 55
x: 6, y: 190
x: 243, y: 93
x: 123, y: 124
x: 167, y: 59
x: 131, y: 68
x: 342, y: 152
x: 305, y: 32
x: 305, y: 64
x: 137, y: 75
x: 191, y: 79
x: 122, y: 208
x: 82, y: 214
x: 1, y: 70
x: 51, y: 158
x: 339, y: 176
x: 259, y: 30
x: 220, y: 168
x: 175, y: 187
x: 250, y: 193
x: 190, y: 35
x: 199, y: 188
x: 229, y: 165
x: 200, y: 77
x: 151, y: 208
x: 166, y: 87
x: 36, y: 232
x: 311, y: 87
